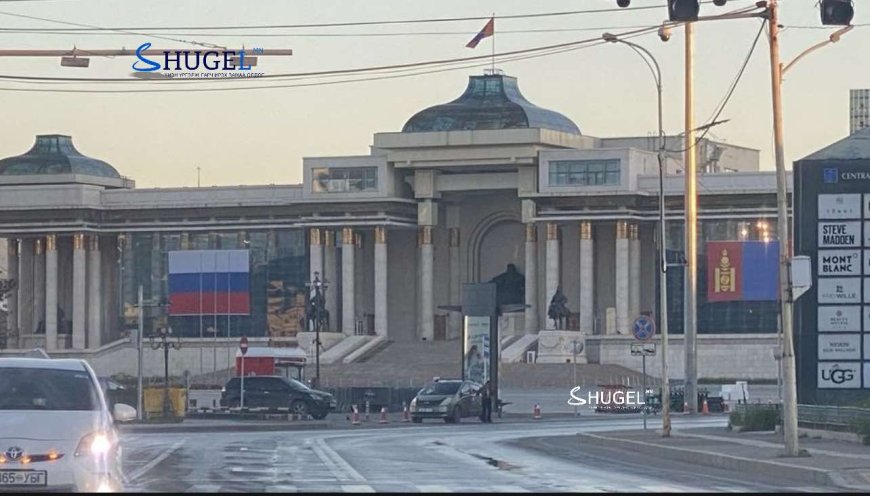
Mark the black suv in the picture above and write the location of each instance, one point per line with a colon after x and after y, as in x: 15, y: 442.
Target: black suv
x: 275, y: 392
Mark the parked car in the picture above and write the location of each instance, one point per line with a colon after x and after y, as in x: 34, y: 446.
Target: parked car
x: 275, y: 392
x: 56, y: 430
x: 115, y: 392
x: 448, y: 399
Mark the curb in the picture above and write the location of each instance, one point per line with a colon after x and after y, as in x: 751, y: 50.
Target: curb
x: 236, y: 426
x: 718, y: 460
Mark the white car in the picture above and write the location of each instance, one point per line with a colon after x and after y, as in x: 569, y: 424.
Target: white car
x: 56, y: 432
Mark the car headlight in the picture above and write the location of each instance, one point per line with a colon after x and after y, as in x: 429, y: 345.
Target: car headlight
x: 95, y: 443
x: 446, y: 401
x: 413, y: 404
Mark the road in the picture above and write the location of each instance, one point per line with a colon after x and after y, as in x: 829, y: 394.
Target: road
x: 427, y: 458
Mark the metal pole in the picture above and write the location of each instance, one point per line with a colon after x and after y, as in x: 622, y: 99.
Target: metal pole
x: 165, y: 375
x: 242, y: 385
x: 691, y: 228
x: 139, y: 352
x: 789, y: 409
x: 643, y: 361
x: 574, y: 384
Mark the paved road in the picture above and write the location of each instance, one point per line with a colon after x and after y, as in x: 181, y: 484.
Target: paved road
x: 428, y: 458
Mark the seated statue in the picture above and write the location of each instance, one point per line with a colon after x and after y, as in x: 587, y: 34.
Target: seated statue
x: 558, y: 310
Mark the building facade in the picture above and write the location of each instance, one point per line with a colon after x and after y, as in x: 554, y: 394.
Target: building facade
x: 859, y: 110
x: 464, y: 191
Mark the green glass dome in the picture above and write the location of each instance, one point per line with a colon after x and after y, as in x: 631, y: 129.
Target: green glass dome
x: 54, y: 154
x: 490, y: 102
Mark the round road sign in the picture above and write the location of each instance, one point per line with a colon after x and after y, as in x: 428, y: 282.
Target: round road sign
x: 243, y: 345
x: 644, y: 328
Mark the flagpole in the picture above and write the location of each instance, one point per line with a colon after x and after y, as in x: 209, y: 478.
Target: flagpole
x: 201, y: 367
x: 493, y: 43
x: 229, y: 348
x: 214, y: 311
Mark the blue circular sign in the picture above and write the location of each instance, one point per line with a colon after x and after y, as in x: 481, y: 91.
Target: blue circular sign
x: 644, y: 328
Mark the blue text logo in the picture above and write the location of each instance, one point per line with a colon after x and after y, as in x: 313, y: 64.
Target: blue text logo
x: 830, y: 176
x: 192, y: 60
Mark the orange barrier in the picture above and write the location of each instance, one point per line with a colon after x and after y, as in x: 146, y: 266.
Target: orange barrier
x: 536, y: 412
x: 383, y: 419
x: 355, y: 416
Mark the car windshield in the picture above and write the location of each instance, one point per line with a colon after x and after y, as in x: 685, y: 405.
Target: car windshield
x: 441, y: 388
x: 298, y: 385
x: 46, y: 389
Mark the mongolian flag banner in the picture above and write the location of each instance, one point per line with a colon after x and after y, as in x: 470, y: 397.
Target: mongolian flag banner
x: 742, y: 271
x: 488, y: 30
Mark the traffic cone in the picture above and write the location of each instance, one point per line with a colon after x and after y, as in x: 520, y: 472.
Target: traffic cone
x: 705, y: 410
x: 536, y: 412
x: 355, y: 416
x: 383, y: 419
x: 685, y: 407
x: 406, y: 416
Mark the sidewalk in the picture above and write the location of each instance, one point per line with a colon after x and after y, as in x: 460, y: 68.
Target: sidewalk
x: 829, y: 462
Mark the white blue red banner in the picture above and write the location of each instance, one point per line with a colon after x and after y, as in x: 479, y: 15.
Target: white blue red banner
x: 209, y: 282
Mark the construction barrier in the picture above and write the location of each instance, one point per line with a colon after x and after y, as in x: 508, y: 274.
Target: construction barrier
x: 406, y: 415
x: 536, y: 412
x: 354, y: 417
x: 383, y: 419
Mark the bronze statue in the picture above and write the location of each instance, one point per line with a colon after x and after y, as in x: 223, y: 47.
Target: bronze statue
x: 558, y: 310
x: 510, y: 287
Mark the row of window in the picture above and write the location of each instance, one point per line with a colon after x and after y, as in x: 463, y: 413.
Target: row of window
x: 584, y: 172
x: 344, y: 179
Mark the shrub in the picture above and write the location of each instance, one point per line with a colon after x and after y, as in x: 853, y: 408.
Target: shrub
x: 756, y: 418
x: 861, y: 426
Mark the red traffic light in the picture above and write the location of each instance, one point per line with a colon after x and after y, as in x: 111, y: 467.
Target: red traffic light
x: 837, y: 12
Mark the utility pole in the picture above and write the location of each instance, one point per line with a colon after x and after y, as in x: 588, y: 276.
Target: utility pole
x: 691, y: 230
x: 139, y: 339
x: 789, y: 406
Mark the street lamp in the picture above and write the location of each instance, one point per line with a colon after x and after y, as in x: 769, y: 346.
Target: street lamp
x: 663, y: 261
x: 161, y: 339
x: 316, y: 313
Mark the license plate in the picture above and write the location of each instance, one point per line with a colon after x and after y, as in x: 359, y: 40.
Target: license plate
x: 23, y: 478
x: 426, y: 410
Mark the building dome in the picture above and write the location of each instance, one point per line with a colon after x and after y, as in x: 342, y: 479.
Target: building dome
x: 490, y: 102
x: 54, y: 154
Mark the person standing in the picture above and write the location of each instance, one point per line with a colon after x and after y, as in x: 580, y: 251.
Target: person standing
x: 486, y: 402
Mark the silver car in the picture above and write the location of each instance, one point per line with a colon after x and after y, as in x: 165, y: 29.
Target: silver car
x: 448, y: 399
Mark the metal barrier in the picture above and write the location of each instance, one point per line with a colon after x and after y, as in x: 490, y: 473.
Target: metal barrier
x: 836, y: 418
x: 378, y: 397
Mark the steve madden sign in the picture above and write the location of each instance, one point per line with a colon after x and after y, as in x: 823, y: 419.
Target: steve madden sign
x: 839, y: 262
x: 839, y: 318
x: 839, y: 234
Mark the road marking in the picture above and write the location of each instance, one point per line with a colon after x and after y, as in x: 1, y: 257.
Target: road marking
x: 281, y: 489
x: 203, y: 488
x: 662, y: 489
x: 338, y: 461
x: 434, y: 489
x: 153, y: 463
x: 509, y: 489
x: 728, y: 489
x: 357, y: 488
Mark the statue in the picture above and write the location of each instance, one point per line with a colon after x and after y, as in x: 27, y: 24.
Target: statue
x: 558, y: 310
x: 510, y: 287
x: 317, y: 313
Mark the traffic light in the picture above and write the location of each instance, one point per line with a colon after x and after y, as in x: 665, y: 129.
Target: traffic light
x: 837, y: 12
x: 623, y: 3
x: 683, y: 10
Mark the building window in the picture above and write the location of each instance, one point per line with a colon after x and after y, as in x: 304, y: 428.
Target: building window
x: 344, y: 179
x: 584, y: 172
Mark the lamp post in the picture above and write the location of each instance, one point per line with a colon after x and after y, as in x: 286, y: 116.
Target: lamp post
x: 161, y: 339
x: 663, y: 261
x: 317, y: 307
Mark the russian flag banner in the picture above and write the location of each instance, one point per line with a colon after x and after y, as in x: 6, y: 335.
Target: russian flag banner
x: 209, y: 282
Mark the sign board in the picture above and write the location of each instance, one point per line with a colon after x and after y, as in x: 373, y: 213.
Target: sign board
x: 243, y: 345
x: 643, y: 349
x: 643, y: 328
x: 832, y: 319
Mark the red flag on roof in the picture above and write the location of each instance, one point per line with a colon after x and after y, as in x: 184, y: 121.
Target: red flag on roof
x: 487, y: 31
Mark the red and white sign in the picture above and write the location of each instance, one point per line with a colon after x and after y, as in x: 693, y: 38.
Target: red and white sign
x: 243, y: 345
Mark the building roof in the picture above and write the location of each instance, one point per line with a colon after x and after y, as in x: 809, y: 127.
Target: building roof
x: 854, y: 147
x: 54, y: 154
x: 489, y: 102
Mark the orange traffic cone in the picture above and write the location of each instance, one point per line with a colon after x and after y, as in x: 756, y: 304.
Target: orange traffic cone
x: 383, y: 419
x: 685, y: 407
x: 406, y: 416
x: 354, y: 417
x: 536, y: 412
x: 705, y: 410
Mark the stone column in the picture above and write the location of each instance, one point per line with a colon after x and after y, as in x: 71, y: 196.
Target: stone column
x: 50, y: 292
x: 622, y: 283
x: 38, y: 282
x: 587, y: 279
x: 330, y: 274
x: 12, y: 297
x: 552, y: 274
x: 427, y: 302
x: 95, y: 295
x: 454, y: 319
x: 348, y: 310
x: 79, y: 313
x: 381, y: 293
x: 634, y: 282
x: 532, y: 324
x: 26, y: 284
x: 315, y: 261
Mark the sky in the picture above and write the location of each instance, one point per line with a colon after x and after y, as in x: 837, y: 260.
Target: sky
x: 260, y: 136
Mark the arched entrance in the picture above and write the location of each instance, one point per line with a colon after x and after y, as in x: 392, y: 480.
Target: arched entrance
x: 496, y: 241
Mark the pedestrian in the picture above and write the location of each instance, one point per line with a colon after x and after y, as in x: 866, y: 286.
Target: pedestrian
x: 486, y: 402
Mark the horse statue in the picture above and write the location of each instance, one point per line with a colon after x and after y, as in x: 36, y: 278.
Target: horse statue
x: 558, y: 311
x: 317, y: 313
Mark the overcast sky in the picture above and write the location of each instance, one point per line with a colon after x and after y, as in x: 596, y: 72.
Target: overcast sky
x: 260, y: 137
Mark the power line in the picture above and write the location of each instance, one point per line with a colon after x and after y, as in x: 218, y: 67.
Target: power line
x: 330, y: 73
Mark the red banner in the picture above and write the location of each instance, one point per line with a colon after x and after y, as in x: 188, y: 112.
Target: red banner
x: 724, y: 271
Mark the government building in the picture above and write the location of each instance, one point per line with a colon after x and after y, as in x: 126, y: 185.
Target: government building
x: 486, y: 185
